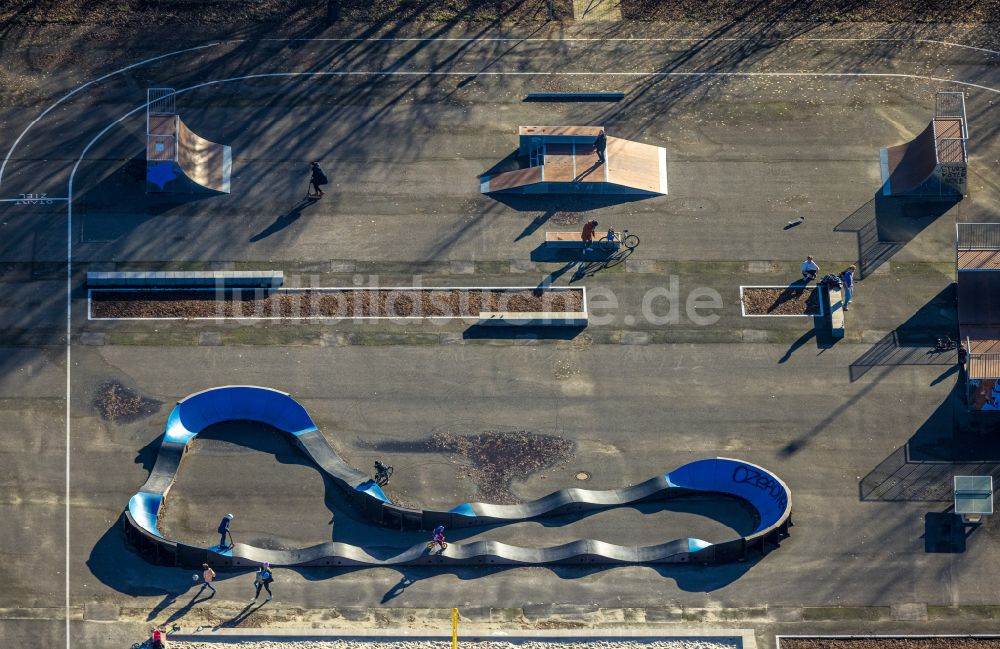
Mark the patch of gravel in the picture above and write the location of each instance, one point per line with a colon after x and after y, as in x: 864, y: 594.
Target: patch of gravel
x: 331, y: 304
x: 693, y: 643
x: 890, y: 643
x: 917, y: 11
x: 120, y: 405
x: 495, y: 459
x: 792, y: 300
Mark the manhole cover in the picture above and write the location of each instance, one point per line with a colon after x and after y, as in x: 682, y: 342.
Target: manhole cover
x: 582, y: 475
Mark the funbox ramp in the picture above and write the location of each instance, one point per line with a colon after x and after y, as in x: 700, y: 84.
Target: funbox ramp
x: 764, y: 492
x: 175, y: 153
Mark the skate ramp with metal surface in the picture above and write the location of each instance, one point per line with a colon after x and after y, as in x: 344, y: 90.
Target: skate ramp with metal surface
x: 766, y: 494
x: 175, y: 152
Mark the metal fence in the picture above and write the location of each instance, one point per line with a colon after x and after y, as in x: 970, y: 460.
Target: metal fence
x: 977, y: 236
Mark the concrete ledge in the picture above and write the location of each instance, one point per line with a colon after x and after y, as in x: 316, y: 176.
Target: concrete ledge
x: 208, y: 278
x: 536, y: 319
x: 575, y: 96
x: 835, y: 296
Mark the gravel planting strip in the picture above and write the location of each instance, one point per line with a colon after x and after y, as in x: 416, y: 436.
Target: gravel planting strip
x: 339, y: 303
x: 889, y: 642
x: 394, y: 643
x: 780, y: 301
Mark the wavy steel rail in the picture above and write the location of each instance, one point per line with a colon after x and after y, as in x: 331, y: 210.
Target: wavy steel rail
x: 764, y: 491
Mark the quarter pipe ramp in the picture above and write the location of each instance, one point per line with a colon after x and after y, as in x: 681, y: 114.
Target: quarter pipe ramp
x: 175, y: 152
x: 935, y: 162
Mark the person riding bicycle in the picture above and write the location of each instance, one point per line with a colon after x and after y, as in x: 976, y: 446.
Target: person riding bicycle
x: 381, y: 473
x: 437, y: 537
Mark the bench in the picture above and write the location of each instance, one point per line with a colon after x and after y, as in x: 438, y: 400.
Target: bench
x: 836, y: 300
x: 534, y: 319
x: 573, y: 239
x: 188, y: 279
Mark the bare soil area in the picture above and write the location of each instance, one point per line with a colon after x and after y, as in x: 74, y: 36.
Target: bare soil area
x: 792, y: 300
x: 329, y: 304
x: 890, y: 643
x: 918, y: 11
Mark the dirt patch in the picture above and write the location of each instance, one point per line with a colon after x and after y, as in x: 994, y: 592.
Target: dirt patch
x: 792, y: 300
x: 495, y: 459
x: 453, y: 10
x: 120, y: 405
x: 329, y: 304
x: 890, y: 643
x: 918, y: 11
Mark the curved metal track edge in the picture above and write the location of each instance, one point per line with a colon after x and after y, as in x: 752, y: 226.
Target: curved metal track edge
x: 762, y: 490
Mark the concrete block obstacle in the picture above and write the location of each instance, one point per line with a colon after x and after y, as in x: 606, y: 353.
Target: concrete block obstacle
x: 565, y: 160
x: 763, y: 491
x: 835, y: 297
x: 174, y: 151
x: 575, y: 96
x: 186, y: 279
x: 935, y: 163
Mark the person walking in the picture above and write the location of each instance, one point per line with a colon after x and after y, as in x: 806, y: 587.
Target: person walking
x: 207, y: 577
x: 587, y: 236
x: 317, y: 179
x: 848, y: 278
x: 263, y: 579
x: 809, y: 269
x: 601, y: 144
x: 224, y: 531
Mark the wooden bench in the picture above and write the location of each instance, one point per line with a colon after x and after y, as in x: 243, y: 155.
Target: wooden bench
x: 836, y: 300
x: 574, y: 240
x: 188, y: 279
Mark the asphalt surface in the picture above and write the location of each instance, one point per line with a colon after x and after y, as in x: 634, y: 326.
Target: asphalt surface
x: 865, y: 439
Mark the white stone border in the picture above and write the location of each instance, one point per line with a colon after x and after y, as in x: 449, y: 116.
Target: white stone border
x: 470, y: 318
x: 815, y: 287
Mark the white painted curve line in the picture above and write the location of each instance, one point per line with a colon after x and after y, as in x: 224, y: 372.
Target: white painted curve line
x: 86, y: 85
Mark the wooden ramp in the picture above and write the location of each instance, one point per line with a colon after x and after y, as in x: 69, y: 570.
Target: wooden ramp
x: 206, y: 163
x: 565, y: 160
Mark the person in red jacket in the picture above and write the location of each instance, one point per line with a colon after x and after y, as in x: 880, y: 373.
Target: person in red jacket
x: 588, y: 235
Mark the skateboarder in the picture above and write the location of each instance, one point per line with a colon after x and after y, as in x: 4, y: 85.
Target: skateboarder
x: 587, y: 236
x: 318, y: 179
x: 809, y: 269
x: 601, y: 144
x: 224, y: 530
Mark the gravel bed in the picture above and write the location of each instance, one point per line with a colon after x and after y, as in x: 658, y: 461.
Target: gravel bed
x: 890, y: 643
x: 815, y: 11
x: 692, y: 643
x: 798, y: 300
x: 118, y: 404
x: 329, y: 304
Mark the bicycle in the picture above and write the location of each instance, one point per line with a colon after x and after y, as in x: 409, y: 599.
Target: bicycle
x: 382, y: 474
x: 615, y: 240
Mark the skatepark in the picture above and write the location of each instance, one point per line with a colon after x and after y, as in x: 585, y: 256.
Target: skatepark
x: 866, y: 431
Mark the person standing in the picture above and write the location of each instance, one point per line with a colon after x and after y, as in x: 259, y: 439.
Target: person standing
x: 263, y: 579
x: 317, y: 179
x: 224, y: 530
x: 601, y: 144
x: 588, y: 235
x: 809, y: 269
x: 207, y: 577
x: 848, y: 278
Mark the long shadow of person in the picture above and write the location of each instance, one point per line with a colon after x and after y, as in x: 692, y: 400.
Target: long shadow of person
x: 398, y: 588
x: 182, y: 611
x: 285, y: 219
x: 240, y: 617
